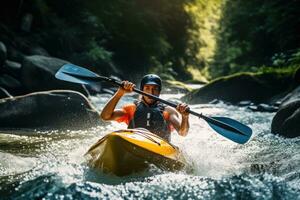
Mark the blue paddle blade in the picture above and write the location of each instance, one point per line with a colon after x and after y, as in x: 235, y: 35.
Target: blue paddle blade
x: 75, y: 74
x: 76, y: 70
x: 232, y: 135
x: 65, y: 77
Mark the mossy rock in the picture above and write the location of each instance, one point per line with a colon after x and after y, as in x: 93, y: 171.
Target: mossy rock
x: 172, y: 86
x: 256, y: 87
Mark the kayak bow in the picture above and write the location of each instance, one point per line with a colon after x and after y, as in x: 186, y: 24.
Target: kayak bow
x: 128, y: 151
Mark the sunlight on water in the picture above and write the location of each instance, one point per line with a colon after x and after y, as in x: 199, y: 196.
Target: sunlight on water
x: 11, y: 164
x: 51, y: 164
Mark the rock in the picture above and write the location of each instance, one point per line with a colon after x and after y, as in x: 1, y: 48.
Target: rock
x: 263, y: 108
x: 286, y: 121
x: 11, y: 84
x: 253, y: 108
x: 267, y: 108
x: 171, y: 86
x: 254, y: 87
x: 4, y: 93
x: 15, y: 55
x: 245, y: 103
x: 108, y: 91
x: 38, y: 74
x: 215, y: 101
x: 290, y: 97
x: 38, y: 51
x: 108, y: 85
x: 12, y: 68
x: 51, y: 110
x: 291, y: 94
x: 3, y: 53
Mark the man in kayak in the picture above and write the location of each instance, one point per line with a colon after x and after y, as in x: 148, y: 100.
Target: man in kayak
x: 148, y: 113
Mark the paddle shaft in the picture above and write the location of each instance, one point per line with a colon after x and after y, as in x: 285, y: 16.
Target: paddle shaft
x: 225, y: 126
x: 208, y: 119
x: 119, y: 83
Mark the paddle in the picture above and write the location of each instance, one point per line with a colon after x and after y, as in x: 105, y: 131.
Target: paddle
x: 225, y: 126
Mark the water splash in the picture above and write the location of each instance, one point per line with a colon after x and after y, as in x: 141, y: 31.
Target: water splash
x: 50, y: 165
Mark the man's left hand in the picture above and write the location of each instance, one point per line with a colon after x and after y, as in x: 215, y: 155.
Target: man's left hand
x: 183, y: 109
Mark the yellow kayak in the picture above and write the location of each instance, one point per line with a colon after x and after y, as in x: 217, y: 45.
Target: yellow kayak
x: 127, y: 151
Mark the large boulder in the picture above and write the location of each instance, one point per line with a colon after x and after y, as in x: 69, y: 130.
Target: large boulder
x: 290, y: 97
x: 286, y: 122
x: 254, y: 87
x: 15, y: 54
x: 55, y: 110
x: 12, y: 68
x: 11, y: 84
x: 38, y: 74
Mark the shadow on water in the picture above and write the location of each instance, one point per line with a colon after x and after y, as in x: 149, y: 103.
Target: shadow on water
x: 95, y: 176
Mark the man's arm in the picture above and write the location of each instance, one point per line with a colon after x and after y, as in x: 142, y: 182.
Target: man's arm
x: 182, y: 126
x: 109, y: 112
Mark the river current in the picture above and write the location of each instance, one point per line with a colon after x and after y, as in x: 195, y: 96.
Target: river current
x: 50, y: 164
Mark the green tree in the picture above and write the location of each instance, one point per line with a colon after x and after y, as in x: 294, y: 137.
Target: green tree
x: 251, y: 32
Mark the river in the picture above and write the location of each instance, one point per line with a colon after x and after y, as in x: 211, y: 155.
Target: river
x: 50, y: 164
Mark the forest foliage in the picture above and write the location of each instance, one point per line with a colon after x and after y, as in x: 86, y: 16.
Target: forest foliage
x: 176, y: 39
x: 255, y: 34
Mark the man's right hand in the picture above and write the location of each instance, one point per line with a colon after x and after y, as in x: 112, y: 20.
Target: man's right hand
x: 126, y: 88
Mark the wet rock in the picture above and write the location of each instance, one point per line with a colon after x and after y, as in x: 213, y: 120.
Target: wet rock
x: 38, y: 51
x: 267, y: 108
x: 12, y: 68
x: 108, y: 90
x: 263, y: 108
x: 4, y: 93
x: 277, y: 103
x: 38, y: 74
x: 292, y: 93
x: 215, y: 101
x: 257, y: 88
x: 286, y: 121
x: 170, y: 86
x: 15, y: 55
x: 107, y: 87
x: 290, y: 97
x: 3, y: 53
x: 245, y: 103
x: 11, y: 84
x: 253, y: 108
x: 54, y: 110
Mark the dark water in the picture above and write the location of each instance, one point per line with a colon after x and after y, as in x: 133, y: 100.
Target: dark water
x: 50, y: 165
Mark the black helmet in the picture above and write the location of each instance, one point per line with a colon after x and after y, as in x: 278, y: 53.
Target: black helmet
x: 151, y: 79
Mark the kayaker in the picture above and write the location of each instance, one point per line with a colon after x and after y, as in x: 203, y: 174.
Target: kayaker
x: 146, y: 112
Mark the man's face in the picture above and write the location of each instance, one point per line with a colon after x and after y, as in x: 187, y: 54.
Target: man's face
x: 151, y: 89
